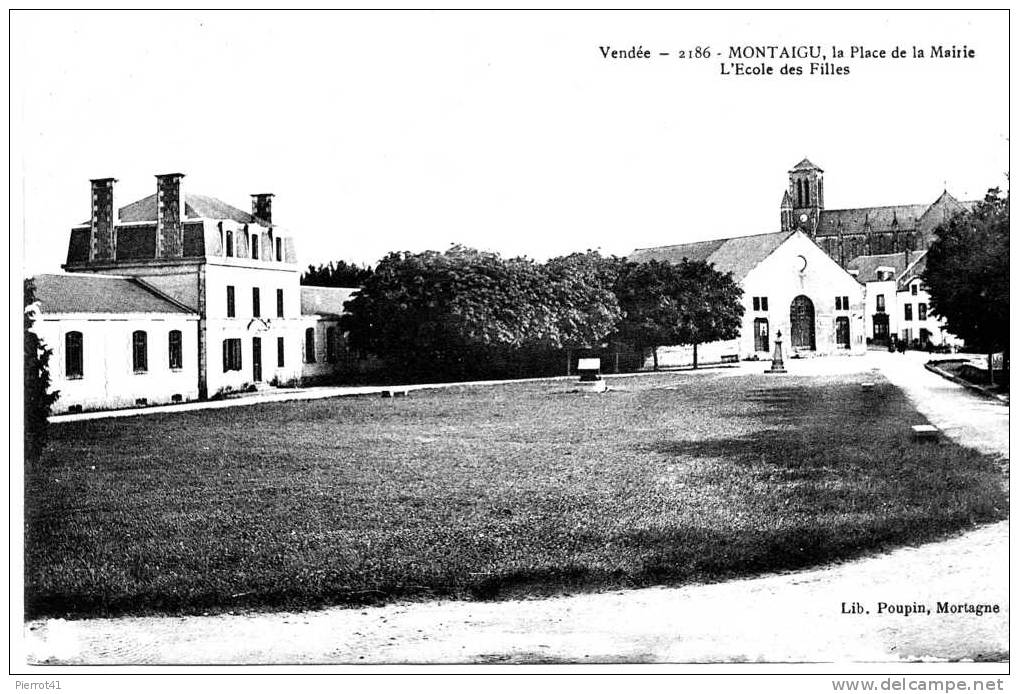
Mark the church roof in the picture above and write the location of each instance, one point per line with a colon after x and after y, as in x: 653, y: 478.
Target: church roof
x: 880, y: 218
x: 738, y: 255
x: 325, y: 301
x: 902, y: 265
x: 195, y: 206
x: 88, y: 293
x: 806, y: 165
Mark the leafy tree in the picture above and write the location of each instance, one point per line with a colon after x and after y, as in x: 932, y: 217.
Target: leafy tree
x: 336, y: 274
x: 967, y: 274
x: 38, y: 399
x: 685, y: 303
x: 457, y: 311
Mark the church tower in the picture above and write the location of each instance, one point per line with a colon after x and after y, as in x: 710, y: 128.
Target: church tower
x: 805, y: 197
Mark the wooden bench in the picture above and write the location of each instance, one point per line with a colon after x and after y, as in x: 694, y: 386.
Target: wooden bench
x: 395, y: 392
x: 925, y: 432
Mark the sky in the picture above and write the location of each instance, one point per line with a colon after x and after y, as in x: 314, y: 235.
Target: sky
x: 510, y: 132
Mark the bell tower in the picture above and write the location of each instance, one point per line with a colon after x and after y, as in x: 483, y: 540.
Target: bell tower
x: 805, y: 196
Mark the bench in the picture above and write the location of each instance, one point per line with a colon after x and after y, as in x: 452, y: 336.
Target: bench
x: 395, y: 392
x: 730, y: 358
x: 925, y: 432
x: 867, y: 386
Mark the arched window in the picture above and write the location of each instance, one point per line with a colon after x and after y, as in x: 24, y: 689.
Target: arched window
x: 799, y: 193
x: 229, y: 244
x: 806, y: 193
x: 73, y: 355
x: 309, y: 346
x: 140, y: 351
x: 176, y: 350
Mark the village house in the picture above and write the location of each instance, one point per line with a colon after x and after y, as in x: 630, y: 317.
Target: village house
x: 898, y: 305
x: 180, y: 296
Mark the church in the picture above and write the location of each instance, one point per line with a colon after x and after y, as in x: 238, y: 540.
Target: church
x: 180, y: 296
x: 861, y: 231
x: 832, y: 281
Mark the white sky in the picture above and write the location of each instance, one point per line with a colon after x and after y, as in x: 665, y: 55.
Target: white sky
x: 509, y: 132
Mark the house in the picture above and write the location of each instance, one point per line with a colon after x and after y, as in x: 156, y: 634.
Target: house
x: 789, y: 284
x: 845, y: 234
x: 897, y: 303
x: 181, y: 296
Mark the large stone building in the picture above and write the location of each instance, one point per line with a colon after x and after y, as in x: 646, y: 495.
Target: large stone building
x: 849, y: 233
x: 180, y: 296
x: 789, y: 284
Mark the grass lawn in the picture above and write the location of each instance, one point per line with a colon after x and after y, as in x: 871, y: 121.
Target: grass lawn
x: 485, y: 492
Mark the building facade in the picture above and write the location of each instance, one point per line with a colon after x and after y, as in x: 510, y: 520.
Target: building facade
x: 232, y: 276
x: 789, y: 284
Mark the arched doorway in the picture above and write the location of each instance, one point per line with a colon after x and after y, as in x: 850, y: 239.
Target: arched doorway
x: 801, y: 323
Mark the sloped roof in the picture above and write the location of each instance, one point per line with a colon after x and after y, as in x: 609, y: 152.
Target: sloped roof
x: 880, y: 218
x: 195, y: 206
x: 325, y: 301
x: 867, y: 265
x: 738, y: 255
x: 806, y: 165
x: 88, y: 293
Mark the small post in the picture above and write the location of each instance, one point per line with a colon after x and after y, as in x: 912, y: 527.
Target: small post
x: 777, y: 365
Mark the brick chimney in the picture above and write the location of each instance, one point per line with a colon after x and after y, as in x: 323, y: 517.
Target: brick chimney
x: 169, y: 216
x: 261, y: 206
x: 103, y: 241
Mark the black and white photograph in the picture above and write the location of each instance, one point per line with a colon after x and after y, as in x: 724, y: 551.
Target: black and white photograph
x: 510, y: 342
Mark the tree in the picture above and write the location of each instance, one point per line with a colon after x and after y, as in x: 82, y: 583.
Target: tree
x: 685, y: 303
x: 336, y: 274
x: 454, y: 312
x: 967, y: 274
x: 38, y: 398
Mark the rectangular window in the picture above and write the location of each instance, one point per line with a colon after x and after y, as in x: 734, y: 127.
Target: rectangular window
x: 229, y: 244
x: 280, y: 351
x: 757, y: 303
x: 256, y: 302
x: 73, y: 355
x: 909, y: 311
x: 279, y: 250
x: 764, y: 303
x: 231, y: 355
x: 913, y: 288
x: 254, y: 246
x: 279, y: 303
x: 176, y: 350
x: 921, y: 310
x: 845, y: 303
x: 231, y: 306
x: 140, y: 351
x: 880, y: 302
x: 838, y: 303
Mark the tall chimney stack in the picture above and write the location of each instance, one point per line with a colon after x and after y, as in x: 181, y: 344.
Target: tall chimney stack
x: 103, y: 241
x: 169, y: 216
x: 261, y: 206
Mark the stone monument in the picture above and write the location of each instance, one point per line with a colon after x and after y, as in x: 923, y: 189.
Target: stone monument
x: 777, y: 365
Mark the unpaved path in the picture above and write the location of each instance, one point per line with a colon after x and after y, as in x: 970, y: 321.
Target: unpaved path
x: 791, y: 617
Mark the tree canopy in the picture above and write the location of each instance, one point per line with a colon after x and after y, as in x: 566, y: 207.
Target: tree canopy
x: 38, y: 398
x: 686, y: 303
x: 447, y: 312
x: 967, y: 273
x: 336, y: 274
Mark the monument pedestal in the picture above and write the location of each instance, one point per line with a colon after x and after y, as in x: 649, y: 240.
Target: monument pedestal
x: 777, y: 365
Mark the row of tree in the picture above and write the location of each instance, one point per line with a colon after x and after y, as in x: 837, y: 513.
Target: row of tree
x: 460, y: 312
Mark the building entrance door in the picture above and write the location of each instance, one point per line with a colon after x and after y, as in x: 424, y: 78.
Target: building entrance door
x: 842, y: 332
x: 881, y: 328
x: 761, y: 335
x: 256, y: 358
x: 801, y: 323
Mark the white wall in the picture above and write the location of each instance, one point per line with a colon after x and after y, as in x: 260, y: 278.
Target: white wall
x: 108, y: 377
